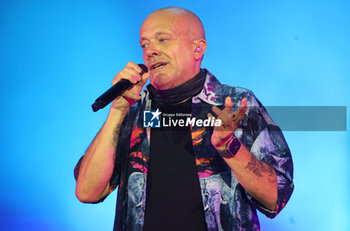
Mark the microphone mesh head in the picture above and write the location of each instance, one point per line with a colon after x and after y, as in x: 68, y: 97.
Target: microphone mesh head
x: 144, y: 68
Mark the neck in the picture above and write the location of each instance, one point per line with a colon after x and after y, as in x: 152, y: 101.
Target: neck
x: 179, y: 93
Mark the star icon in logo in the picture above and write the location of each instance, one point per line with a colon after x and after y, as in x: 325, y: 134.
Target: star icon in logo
x: 156, y: 114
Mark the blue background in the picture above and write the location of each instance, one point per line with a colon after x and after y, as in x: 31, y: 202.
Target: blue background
x: 56, y: 57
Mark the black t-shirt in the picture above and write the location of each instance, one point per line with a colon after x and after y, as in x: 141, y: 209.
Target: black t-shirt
x: 173, y: 196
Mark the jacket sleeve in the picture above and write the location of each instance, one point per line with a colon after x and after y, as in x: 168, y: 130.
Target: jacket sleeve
x: 266, y: 142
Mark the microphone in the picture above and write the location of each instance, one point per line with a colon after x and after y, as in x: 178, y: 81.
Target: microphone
x: 115, y: 91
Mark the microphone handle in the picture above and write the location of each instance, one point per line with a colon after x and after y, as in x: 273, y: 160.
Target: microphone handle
x: 111, y: 94
x: 116, y: 90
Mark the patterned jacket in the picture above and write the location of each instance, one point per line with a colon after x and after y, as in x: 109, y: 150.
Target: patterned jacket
x: 227, y: 205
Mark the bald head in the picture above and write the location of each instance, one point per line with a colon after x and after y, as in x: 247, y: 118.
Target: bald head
x: 186, y: 18
x: 173, y: 43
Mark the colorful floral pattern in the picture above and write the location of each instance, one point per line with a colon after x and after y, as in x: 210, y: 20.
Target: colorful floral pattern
x: 227, y: 206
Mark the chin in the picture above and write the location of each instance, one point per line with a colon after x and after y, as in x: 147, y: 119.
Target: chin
x: 160, y: 81
x: 160, y: 86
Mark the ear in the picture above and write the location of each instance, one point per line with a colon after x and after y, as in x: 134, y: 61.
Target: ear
x: 200, y: 45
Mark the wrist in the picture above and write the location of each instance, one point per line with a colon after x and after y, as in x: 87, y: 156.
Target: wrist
x: 231, y: 148
x: 120, y: 107
x: 116, y: 115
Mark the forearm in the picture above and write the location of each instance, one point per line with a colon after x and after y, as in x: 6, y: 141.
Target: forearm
x: 98, y: 162
x: 258, y: 178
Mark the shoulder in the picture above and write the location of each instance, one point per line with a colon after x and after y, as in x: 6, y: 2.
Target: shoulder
x: 237, y: 93
x: 215, y: 92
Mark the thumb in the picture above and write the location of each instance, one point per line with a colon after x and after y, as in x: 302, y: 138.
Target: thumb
x: 143, y: 80
x: 145, y: 77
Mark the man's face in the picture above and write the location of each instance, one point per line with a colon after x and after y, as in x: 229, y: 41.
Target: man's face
x: 167, y: 50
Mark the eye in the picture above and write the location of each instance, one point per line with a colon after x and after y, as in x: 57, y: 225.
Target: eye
x: 144, y: 45
x: 163, y: 39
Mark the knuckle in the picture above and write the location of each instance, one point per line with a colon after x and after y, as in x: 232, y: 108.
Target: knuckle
x: 133, y: 79
x: 128, y: 64
x: 116, y: 79
x: 137, y: 77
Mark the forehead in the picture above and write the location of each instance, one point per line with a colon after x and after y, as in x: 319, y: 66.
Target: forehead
x: 162, y: 23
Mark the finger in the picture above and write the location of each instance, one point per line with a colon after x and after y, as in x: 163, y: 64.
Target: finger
x: 132, y: 75
x: 124, y: 75
x: 131, y: 95
x: 238, y: 116
x: 223, y: 115
x: 210, y: 116
x: 133, y: 66
x: 144, y: 79
x: 243, y: 105
x: 227, y: 109
x: 226, y: 124
x: 242, y: 109
x: 216, y: 128
x: 216, y: 110
x: 228, y: 104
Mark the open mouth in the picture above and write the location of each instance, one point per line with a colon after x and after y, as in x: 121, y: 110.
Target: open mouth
x: 157, y: 66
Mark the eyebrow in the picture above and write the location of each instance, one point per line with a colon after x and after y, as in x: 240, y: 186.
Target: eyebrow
x: 156, y: 34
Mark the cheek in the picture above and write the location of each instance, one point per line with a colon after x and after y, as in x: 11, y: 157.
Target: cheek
x: 144, y: 56
x: 181, y: 56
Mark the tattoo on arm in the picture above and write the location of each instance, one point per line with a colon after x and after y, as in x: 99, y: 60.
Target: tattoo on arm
x: 259, y: 168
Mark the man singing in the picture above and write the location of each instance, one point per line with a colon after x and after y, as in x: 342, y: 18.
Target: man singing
x: 192, y: 177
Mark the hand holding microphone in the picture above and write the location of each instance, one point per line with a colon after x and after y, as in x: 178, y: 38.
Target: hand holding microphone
x: 127, y: 85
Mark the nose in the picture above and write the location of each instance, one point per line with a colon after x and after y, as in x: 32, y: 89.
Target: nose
x: 152, y: 51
